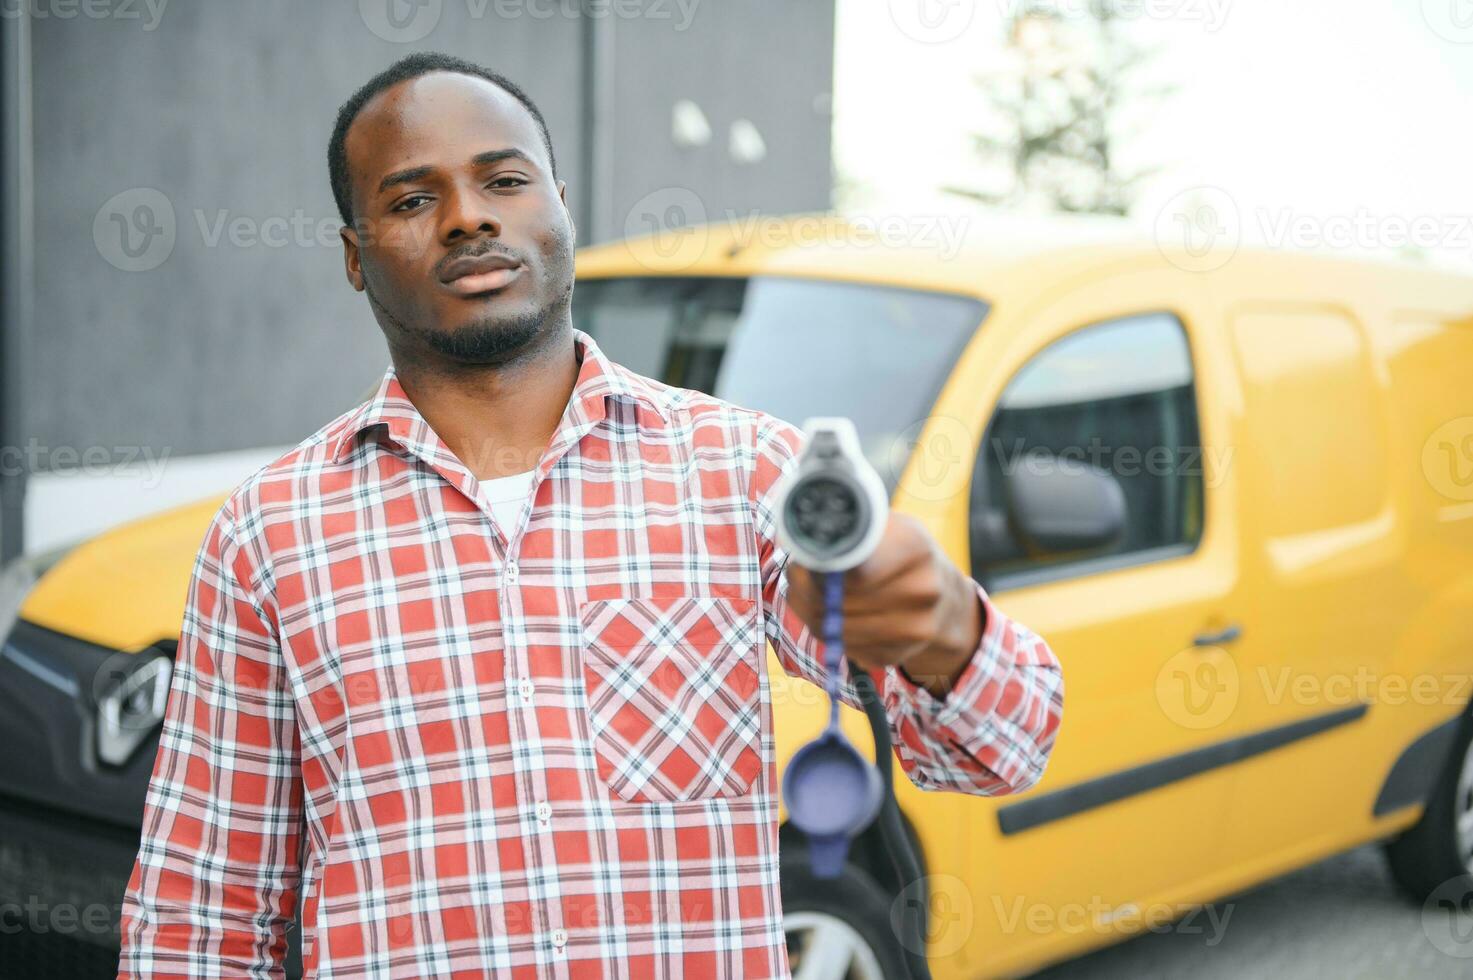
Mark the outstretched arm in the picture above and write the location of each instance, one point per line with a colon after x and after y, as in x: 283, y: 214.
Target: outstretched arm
x: 974, y: 698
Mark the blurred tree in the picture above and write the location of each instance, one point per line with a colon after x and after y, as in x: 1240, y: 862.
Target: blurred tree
x: 1056, y: 100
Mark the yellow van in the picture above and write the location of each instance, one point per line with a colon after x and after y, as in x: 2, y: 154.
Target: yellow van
x: 1233, y: 491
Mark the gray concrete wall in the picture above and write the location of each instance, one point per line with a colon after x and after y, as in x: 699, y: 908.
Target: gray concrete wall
x: 150, y: 336
x: 222, y: 111
x: 768, y: 62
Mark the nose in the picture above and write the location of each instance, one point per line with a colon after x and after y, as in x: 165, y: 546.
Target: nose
x: 466, y: 213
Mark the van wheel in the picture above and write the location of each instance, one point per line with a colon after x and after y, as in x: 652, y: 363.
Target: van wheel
x: 838, y: 928
x: 1439, y: 847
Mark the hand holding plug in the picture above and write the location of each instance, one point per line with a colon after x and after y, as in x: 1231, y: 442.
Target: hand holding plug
x: 904, y: 602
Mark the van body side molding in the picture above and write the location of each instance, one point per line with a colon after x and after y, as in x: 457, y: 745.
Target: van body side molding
x: 1071, y: 800
x: 1415, y: 771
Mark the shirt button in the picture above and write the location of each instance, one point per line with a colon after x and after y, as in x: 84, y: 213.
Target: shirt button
x: 560, y: 938
x: 544, y: 811
x: 511, y: 571
x: 524, y: 688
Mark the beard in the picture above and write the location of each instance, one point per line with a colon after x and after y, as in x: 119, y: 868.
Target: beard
x: 486, y: 341
x: 490, y: 340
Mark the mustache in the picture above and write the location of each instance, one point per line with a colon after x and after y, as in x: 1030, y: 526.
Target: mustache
x: 476, y: 251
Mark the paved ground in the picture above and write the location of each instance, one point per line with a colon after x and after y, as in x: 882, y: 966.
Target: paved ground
x: 1341, y: 918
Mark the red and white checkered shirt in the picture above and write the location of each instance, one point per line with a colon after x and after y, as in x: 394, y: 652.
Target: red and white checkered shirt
x: 534, y: 751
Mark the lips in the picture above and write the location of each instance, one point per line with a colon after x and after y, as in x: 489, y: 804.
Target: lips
x: 471, y: 274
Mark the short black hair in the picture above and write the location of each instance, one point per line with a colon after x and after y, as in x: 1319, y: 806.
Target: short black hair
x: 410, y: 66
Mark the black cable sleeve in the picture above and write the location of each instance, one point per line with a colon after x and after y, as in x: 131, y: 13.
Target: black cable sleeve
x: 892, y: 828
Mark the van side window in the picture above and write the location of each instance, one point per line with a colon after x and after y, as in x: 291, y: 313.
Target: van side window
x: 1092, y: 459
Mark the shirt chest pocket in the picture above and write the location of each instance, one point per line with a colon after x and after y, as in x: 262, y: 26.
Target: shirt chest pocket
x: 674, y: 695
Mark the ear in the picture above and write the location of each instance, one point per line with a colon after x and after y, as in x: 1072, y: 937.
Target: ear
x: 562, y: 187
x: 351, y: 263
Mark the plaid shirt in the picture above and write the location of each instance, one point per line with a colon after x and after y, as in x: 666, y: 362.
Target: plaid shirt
x: 535, y: 751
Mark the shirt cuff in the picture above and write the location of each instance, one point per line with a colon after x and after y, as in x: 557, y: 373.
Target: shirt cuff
x: 975, y: 691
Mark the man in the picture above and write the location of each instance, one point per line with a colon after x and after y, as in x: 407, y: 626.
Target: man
x: 524, y: 733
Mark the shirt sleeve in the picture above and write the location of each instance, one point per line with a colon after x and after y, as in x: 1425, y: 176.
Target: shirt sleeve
x: 993, y: 732
x: 215, y: 882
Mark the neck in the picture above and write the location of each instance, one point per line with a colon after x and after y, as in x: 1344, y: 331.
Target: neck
x: 496, y: 418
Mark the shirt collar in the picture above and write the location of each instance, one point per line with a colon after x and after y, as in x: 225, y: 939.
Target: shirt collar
x: 599, y: 380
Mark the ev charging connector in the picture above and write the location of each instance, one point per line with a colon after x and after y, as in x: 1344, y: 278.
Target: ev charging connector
x: 832, y: 509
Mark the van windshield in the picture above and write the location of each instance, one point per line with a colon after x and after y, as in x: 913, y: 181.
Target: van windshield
x: 790, y: 347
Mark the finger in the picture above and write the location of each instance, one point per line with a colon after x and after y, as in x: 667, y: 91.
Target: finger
x: 872, y: 657
x: 904, y: 546
x: 882, y: 630
x: 906, y: 594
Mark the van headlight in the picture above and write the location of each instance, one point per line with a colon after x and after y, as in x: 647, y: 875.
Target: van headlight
x: 18, y: 577
x: 131, y: 709
x: 16, y: 580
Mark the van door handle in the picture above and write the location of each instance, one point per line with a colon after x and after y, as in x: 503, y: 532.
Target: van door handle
x: 1225, y: 635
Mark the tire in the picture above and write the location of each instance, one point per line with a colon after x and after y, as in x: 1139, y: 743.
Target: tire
x: 1434, y: 854
x: 845, y: 916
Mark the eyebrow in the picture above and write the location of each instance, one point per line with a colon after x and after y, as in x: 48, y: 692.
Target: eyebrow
x: 479, y: 160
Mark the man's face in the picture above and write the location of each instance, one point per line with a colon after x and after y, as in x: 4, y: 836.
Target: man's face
x: 463, y: 242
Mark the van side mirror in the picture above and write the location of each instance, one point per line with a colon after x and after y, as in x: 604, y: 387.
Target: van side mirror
x: 1061, y: 505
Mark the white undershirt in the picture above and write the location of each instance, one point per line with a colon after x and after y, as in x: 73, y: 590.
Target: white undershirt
x: 506, y: 494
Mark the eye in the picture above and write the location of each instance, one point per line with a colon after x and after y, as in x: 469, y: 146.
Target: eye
x: 516, y: 181
x: 407, y: 204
